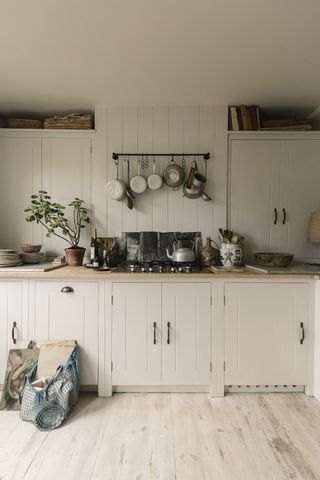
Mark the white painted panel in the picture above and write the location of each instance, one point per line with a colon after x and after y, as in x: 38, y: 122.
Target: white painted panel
x: 186, y: 359
x: 262, y: 334
x: 144, y: 203
x: 206, y: 144
x: 161, y: 145
x: 10, y: 311
x: 300, y: 195
x: 136, y: 359
x: 20, y: 177
x: 99, y: 171
x: 115, y: 144
x: 66, y: 316
x: 254, y: 192
x: 175, y: 198
x: 66, y: 175
x: 164, y: 130
x: 191, y: 134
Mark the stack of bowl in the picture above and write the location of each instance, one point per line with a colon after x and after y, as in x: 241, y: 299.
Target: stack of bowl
x: 31, y: 253
x: 9, y: 258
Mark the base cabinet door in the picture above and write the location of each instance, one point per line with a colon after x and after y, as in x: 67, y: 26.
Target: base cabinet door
x: 266, y: 333
x: 69, y: 311
x: 186, y: 334
x: 136, y: 334
x: 10, y: 321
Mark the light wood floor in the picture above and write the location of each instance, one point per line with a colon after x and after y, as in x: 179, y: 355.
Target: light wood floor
x: 169, y: 436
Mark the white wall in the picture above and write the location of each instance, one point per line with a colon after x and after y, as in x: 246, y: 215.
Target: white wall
x: 160, y: 129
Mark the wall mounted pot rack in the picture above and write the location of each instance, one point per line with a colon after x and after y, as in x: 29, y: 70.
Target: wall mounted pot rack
x: 116, y: 156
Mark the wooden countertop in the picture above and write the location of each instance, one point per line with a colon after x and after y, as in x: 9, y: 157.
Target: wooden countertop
x: 79, y: 273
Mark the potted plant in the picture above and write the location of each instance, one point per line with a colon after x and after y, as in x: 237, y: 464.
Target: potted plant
x: 52, y: 216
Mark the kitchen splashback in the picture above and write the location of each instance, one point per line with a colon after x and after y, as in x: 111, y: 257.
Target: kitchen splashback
x: 148, y: 246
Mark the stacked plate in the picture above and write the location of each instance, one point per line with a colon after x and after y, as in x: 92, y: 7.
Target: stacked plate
x: 9, y: 258
x: 36, y: 257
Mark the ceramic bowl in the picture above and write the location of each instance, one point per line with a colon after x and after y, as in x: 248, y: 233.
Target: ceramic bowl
x: 28, y: 248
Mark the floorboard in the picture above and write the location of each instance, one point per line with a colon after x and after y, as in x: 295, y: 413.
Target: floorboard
x: 151, y: 436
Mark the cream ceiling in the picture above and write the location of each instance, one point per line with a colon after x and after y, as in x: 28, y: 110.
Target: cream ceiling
x: 74, y: 54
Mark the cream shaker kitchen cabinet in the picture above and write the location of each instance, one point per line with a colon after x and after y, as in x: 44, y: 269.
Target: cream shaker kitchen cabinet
x: 66, y: 173
x: 136, y: 334
x: 64, y: 310
x: 20, y: 177
x: 11, y: 313
x: 266, y: 333
x: 273, y: 188
x: 186, y: 330
x: 161, y: 334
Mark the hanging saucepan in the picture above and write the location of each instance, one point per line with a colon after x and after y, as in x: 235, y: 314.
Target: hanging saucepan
x: 173, y: 175
x: 116, y: 189
x: 154, y: 180
x: 138, y: 183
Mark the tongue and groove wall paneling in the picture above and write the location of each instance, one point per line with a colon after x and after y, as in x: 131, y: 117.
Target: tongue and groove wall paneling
x: 145, y: 143
x: 175, y: 200
x: 205, y: 211
x: 191, y: 124
x: 165, y: 129
x: 115, y: 137
x: 160, y: 145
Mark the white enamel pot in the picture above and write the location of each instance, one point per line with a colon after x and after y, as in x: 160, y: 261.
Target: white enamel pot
x: 138, y: 183
x: 155, y: 180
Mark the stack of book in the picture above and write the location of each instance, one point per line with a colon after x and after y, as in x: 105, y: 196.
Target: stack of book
x: 288, y: 124
x: 245, y: 117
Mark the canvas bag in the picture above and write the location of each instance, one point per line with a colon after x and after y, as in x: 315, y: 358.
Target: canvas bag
x: 48, y: 407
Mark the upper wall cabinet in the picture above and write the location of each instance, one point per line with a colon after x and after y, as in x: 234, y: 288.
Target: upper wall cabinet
x: 59, y: 162
x: 273, y: 187
x: 66, y: 165
x: 20, y: 176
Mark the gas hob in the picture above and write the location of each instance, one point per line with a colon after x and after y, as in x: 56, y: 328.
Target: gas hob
x: 158, y: 267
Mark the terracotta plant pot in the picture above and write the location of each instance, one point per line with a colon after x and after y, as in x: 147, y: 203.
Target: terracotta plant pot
x: 74, y: 256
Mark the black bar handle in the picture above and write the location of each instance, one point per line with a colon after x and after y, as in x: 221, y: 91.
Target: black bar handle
x: 168, y: 337
x: 284, y: 216
x: 302, y: 333
x: 14, y: 326
x: 154, y: 333
x: 67, y: 290
x: 275, y: 216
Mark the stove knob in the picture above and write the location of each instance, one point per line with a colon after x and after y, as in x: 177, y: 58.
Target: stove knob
x: 143, y: 269
x: 180, y: 269
x: 172, y: 269
x: 160, y: 269
x: 150, y: 269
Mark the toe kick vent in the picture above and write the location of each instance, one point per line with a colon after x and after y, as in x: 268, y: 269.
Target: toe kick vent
x: 263, y: 388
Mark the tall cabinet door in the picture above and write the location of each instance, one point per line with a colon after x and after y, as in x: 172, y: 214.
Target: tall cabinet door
x: 60, y: 310
x: 300, y: 194
x: 254, y: 192
x: 66, y: 164
x: 136, y: 334
x: 10, y: 311
x: 20, y: 173
x: 264, y: 342
x: 186, y: 334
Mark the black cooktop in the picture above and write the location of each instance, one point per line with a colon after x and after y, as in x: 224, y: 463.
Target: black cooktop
x: 158, y: 267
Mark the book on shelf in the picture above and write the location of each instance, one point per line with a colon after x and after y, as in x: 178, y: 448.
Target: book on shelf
x: 244, y: 117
